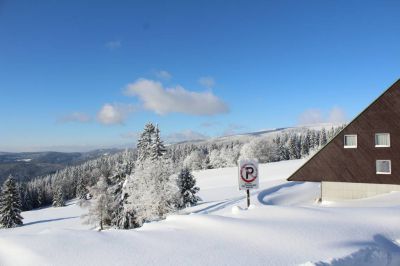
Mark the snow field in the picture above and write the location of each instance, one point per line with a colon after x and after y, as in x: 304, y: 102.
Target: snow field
x: 284, y: 226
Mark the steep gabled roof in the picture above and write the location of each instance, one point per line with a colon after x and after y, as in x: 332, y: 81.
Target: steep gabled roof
x: 335, y: 163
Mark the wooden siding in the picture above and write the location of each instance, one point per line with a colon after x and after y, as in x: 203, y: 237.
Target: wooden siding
x: 337, y: 164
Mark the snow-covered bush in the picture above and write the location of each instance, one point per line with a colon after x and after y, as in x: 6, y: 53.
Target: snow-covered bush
x: 264, y: 150
x: 196, y: 160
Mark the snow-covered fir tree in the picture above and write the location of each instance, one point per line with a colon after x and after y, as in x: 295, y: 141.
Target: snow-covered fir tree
x: 151, y: 191
x: 315, y: 139
x: 294, y: 147
x: 124, y: 167
x: 81, y: 189
x: 157, y: 146
x: 58, y: 197
x: 306, y: 144
x: 40, y: 196
x: 145, y: 141
x: 322, y: 138
x: 10, y: 204
x: 187, y: 189
x: 101, y: 206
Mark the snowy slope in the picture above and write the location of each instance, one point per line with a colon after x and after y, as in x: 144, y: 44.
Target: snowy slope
x: 284, y: 227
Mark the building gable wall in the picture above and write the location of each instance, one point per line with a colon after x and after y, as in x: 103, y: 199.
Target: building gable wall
x: 336, y: 164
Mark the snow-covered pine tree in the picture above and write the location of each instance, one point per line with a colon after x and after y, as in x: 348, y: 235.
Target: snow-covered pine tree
x: 306, y: 143
x: 81, y: 190
x: 151, y: 192
x: 101, y: 206
x: 187, y: 189
x: 40, y: 198
x: 58, y: 197
x: 125, y: 164
x: 322, y: 138
x: 315, y: 139
x: 124, y: 168
x: 166, y: 189
x: 145, y: 143
x: 10, y: 205
x: 117, y: 214
x: 157, y: 147
x: 294, y: 149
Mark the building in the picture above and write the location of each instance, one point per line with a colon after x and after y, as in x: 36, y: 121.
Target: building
x: 363, y: 159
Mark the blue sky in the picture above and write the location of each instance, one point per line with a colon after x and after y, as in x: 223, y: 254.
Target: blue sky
x: 77, y: 75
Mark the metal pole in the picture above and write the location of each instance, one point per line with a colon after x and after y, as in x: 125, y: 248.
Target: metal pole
x: 248, y: 198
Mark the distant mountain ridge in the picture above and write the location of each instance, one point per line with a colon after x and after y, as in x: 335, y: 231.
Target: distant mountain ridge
x: 261, y: 133
x: 28, y: 165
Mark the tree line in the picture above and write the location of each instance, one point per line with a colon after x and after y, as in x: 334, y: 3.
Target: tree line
x: 146, y: 183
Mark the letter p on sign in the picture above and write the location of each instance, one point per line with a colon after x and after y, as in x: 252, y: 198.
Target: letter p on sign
x: 248, y: 174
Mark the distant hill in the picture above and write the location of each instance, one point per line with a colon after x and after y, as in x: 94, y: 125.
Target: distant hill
x: 28, y: 165
x: 245, y: 137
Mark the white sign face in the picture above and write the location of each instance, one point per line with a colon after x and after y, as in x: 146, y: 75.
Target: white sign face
x: 248, y: 174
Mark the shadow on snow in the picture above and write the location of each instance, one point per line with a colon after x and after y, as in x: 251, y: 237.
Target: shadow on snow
x: 50, y: 220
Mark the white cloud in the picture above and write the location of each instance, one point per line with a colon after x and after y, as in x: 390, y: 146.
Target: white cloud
x: 111, y: 114
x: 163, y: 74
x: 185, y: 135
x: 160, y: 100
x: 112, y: 45
x: 207, y: 82
x: 74, y: 117
x: 316, y: 116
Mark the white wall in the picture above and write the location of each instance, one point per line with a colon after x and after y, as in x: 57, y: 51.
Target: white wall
x: 344, y: 190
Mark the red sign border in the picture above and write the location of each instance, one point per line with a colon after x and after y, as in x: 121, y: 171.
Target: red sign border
x: 251, y: 180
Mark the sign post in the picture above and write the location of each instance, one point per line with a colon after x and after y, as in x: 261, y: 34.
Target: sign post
x: 248, y: 176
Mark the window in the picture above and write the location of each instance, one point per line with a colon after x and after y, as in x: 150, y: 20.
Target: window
x: 382, y: 140
x: 350, y: 141
x: 383, y: 167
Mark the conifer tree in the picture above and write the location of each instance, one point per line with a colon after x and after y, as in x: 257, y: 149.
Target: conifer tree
x: 145, y: 142
x: 315, y: 139
x: 322, y: 138
x: 40, y: 197
x: 81, y: 190
x: 294, y: 148
x: 58, y: 197
x: 100, y: 209
x: 10, y: 205
x: 306, y: 143
x: 158, y: 148
x: 187, y: 189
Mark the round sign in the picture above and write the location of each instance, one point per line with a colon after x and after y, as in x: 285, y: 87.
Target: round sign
x: 248, y: 173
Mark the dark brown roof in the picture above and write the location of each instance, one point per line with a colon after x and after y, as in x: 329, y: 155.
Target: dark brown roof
x: 337, y: 164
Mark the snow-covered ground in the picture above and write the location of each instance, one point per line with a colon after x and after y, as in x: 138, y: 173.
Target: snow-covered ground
x: 284, y: 227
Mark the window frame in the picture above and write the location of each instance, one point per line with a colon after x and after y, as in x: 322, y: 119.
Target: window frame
x: 344, y: 141
x: 383, y: 173
x: 382, y: 146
